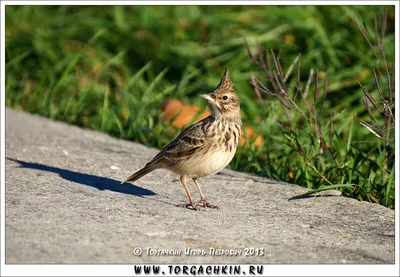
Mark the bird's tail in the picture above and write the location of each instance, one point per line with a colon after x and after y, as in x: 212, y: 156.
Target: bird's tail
x: 138, y: 174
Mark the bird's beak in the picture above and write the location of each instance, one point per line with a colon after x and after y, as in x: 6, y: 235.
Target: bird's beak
x: 207, y: 96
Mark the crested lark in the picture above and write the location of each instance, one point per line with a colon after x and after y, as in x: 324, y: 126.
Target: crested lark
x: 205, y: 147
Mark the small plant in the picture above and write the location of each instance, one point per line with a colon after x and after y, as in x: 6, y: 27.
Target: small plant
x: 383, y: 128
x: 318, y: 149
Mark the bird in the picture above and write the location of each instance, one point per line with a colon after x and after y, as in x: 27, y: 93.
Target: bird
x: 204, y: 148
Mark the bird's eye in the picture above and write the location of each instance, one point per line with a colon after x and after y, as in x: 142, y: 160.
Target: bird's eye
x: 225, y: 97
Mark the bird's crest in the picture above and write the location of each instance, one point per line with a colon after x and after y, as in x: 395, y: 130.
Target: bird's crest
x: 225, y: 82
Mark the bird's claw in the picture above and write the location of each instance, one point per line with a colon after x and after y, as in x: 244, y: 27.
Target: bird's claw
x: 190, y: 206
x: 205, y: 204
x: 196, y: 206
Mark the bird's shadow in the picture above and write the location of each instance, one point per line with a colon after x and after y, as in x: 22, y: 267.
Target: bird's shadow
x: 101, y: 183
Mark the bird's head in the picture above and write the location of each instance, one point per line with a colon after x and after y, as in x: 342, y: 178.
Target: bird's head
x: 224, y: 100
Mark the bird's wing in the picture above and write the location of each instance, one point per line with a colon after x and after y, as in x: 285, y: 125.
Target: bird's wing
x: 191, y: 140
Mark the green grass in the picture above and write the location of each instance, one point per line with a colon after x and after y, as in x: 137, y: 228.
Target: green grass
x: 111, y: 68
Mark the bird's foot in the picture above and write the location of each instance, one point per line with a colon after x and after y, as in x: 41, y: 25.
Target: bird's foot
x: 205, y: 204
x: 190, y: 206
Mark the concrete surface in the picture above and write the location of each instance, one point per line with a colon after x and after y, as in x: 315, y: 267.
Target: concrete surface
x: 64, y: 204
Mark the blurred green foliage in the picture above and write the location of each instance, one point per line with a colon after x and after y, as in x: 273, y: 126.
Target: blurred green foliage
x: 111, y: 68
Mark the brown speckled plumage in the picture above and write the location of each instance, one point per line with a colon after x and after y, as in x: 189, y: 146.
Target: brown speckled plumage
x: 205, y: 147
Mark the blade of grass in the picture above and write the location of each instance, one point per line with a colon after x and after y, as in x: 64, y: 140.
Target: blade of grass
x: 321, y: 188
x: 104, y: 111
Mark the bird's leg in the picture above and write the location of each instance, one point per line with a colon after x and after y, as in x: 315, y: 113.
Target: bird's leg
x: 183, y: 181
x: 202, y: 198
x: 199, y: 189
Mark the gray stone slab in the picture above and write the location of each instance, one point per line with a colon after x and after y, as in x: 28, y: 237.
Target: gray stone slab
x: 64, y: 204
